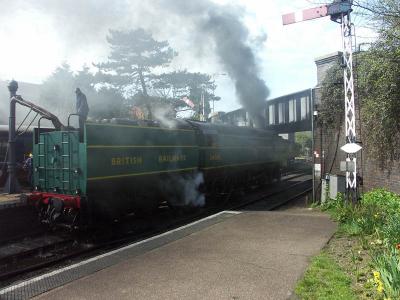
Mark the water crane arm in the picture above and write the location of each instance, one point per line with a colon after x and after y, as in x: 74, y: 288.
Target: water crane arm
x: 43, y: 112
x: 12, y: 186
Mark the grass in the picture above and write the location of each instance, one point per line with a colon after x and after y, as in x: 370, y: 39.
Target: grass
x: 324, y: 279
x: 362, y: 260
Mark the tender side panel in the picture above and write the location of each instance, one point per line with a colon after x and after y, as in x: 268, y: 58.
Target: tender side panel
x: 125, y: 152
x: 226, y: 150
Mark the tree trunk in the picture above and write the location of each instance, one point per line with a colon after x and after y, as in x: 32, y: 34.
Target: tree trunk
x: 144, y: 89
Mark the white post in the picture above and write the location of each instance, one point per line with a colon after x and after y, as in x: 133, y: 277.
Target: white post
x: 350, y: 126
x: 312, y: 144
x: 203, y: 104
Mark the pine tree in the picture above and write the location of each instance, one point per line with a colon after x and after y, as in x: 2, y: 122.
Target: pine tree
x: 134, y: 55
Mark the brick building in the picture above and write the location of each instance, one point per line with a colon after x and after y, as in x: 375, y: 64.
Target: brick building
x: 328, y: 143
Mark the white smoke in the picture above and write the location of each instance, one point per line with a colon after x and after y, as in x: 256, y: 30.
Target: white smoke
x: 165, y: 115
x: 184, y: 190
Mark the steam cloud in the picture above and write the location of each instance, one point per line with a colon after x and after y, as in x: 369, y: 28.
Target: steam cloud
x: 184, y: 190
x: 209, y: 28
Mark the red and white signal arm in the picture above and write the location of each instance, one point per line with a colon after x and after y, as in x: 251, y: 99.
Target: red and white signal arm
x: 316, y: 154
x: 304, y: 15
x: 188, y: 102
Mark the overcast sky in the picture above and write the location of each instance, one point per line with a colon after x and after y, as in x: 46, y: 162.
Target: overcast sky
x: 37, y: 36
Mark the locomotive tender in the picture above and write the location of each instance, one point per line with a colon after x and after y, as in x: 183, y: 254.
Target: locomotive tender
x: 114, y: 169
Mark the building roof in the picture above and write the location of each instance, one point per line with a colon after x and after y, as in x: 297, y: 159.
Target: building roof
x: 328, y: 58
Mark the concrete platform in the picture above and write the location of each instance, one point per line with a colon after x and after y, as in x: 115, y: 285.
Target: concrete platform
x: 250, y: 255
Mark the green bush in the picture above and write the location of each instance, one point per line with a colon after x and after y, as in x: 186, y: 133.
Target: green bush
x: 386, y: 201
x: 388, y: 273
x: 376, y: 217
x: 391, y: 232
x: 340, y: 210
x: 378, y: 212
x: 369, y: 218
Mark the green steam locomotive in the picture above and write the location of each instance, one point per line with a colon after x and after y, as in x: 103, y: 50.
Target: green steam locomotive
x: 113, y: 169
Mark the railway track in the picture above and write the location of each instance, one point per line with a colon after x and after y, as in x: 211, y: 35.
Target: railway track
x: 20, y: 258
x: 273, y: 200
x: 17, y: 223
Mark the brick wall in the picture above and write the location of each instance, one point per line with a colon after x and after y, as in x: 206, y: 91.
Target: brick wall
x: 325, y: 142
